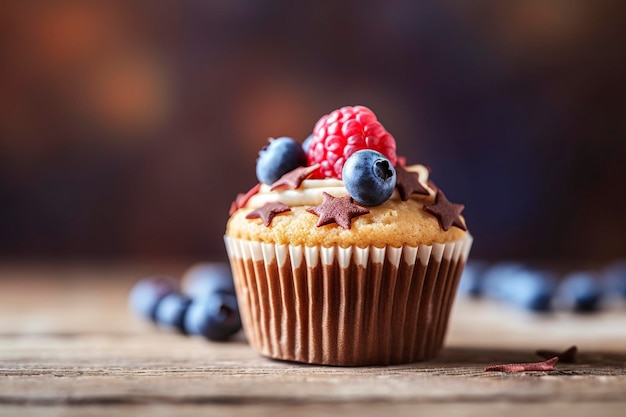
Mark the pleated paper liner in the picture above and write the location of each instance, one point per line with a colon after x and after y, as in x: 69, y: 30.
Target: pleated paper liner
x: 346, y: 306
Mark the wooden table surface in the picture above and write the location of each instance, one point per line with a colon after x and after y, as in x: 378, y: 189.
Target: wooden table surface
x: 69, y: 346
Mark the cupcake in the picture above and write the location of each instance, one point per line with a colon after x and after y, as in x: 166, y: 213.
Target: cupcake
x: 343, y: 254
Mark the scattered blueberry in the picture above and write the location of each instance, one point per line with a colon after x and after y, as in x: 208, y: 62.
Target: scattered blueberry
x: 580, y: 292
x: 207, y: 278
x: 279, y: 157
x: 369, y: 177
x: 471, y: 282
x: 615, y: 279
x: 148, y: 292
x: 170, y: 311
x: 215, y: 317
x: 515, y: 284
x: 307, y: 143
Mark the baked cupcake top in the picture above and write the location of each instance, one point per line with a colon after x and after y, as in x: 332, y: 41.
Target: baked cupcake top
x: 344, y: 186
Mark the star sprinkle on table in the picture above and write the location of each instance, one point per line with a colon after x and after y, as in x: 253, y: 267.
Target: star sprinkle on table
x: 340, y: 210
x: 294, y: 178
x: 408, y: 183
x: 448, y: 214
x: 267, y: 212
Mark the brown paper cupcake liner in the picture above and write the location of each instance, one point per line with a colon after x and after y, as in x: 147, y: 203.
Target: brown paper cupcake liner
x: 346, y: 306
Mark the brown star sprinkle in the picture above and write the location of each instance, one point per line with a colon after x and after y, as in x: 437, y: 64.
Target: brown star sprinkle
x: 267, y: 212
x: 448, y: 214
x: 294, y: 178
x: 547, y: 365
x: 567, y: 356
x: 242, y: 199
x: 340, y: 210
x: 408, y: 183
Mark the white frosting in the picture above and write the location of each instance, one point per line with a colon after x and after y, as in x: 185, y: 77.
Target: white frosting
x: 310, y: 192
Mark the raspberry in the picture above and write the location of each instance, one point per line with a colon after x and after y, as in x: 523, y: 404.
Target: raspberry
x: 341, y: 133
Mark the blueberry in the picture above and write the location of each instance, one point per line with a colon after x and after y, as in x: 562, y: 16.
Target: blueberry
x: 170, y: 311
x: 307, y: 143
x: 579, y: 291
x: 369, y: 177
x: 279, y: 157
x: 615, y: 279
x: 207, y: 278
x: 520, y: 286
x: 148, y: 292
x: 471, y: 282
x: 215, y: 317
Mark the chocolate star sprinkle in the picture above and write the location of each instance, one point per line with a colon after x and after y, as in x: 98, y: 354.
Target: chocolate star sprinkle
x: 567, y: 356
x: 448, y: 214
x: 408, y: 183
x: 267, y: 212
x: 294, y: 178
x: 340, y: 210
x: 242, y: 199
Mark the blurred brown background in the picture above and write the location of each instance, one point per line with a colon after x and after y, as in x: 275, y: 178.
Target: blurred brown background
x: 127, y: 127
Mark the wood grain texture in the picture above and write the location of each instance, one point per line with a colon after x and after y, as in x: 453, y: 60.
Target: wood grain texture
x: 69, y: 346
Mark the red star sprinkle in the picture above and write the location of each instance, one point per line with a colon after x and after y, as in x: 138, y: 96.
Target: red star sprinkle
x: 242, y: 199
x: 408, y: 183
x: 547, y: 365
x: 267, y: 212
x: 448, y: 214
x: 294, y: 178
x: 340, y: 210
